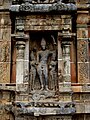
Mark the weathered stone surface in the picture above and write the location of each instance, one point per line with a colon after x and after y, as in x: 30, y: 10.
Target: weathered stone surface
x: 23, y: 88
x: 20, y: 62
x: 5, y: 20
x: 24, y: 108
x: 26, y: 62
x: 5, y: 51
x: 83, y: 74
x: 82, y: 1
x: 76, y: 97
x: 5, y: 34
x: 82, y: 33
x: 46, y: 22
x: 82, y: 51
x: 4, y: 72
x: 80, y: 107
x: 86, y: 87
x: 22, y: 97
x: 42, y: 27
x: 41, y: 20
x: 65, y: 87
x: 6, y: 96
x: 83, y: 65
x: 1, y: 3
x: 87, y: 107
x: 77, y: 88
x: 87, y: 117
x: 58, y: 6
x: 82, y: 19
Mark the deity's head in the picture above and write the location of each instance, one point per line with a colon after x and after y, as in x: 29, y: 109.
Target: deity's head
x: 43, y: 44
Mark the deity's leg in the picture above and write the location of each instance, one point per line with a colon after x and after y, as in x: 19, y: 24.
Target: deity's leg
x: 34, y: 76
x: 42, y: 86
x: 46, y: 78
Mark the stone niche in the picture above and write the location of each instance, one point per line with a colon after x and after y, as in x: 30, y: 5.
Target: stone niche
x: 43, y: 56
x: 39, y: 57
x: 43, y: 60
x: 43, y: 65
x: 43, y: 43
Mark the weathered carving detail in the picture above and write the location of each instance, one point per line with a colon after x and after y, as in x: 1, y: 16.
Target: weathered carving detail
x: 82, y: 50
x: 83, y: 74
x: 47, y: 7
x: 44, y: 69
x: 53, y: 71
x: 66, y: 57
x: 20, y: 48
x: 42, y: 57
x: 41, y: 109
x: 40, y: 1
x: 57, y: 6
x: 33, y: 64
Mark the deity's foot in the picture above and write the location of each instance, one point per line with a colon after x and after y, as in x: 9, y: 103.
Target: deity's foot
x: 42, y: 89
x: 47, y: 88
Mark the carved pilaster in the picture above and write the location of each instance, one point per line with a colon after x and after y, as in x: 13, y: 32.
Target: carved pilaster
x: 26, y: 59
x: 20, y: 61
x: 20, y: 49
x: 66, y: 58
x: 60, y: 60
x: 66, y: 86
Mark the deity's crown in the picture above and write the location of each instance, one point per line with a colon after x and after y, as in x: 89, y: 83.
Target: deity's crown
x: 43, y: 42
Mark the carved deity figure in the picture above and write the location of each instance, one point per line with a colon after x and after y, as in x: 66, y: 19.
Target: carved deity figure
x: 32, y: 70
x: 53, y: 73
x: 42, y: 68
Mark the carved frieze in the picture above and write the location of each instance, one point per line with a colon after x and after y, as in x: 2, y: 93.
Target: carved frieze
x: 38, y: 109
x: 46, y: 22
x: 29, y: 7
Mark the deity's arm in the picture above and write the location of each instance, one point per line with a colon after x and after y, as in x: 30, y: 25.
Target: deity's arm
x: 38, y: 53
x: 54, y: 42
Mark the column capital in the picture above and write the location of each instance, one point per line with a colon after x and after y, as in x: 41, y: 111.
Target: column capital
x: 20, y: 45
x: 66, y: 43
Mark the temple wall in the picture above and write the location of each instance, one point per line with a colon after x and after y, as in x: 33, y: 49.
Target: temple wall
x: 68, y: 97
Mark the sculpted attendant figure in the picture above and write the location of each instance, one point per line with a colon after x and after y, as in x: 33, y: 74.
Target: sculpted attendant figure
x: 32, y: 70
x: 53, y: 72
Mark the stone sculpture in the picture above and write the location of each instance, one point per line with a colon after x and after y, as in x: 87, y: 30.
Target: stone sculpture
x: 42, y: 68
x: 53, y: 73
x: 32, y: 70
